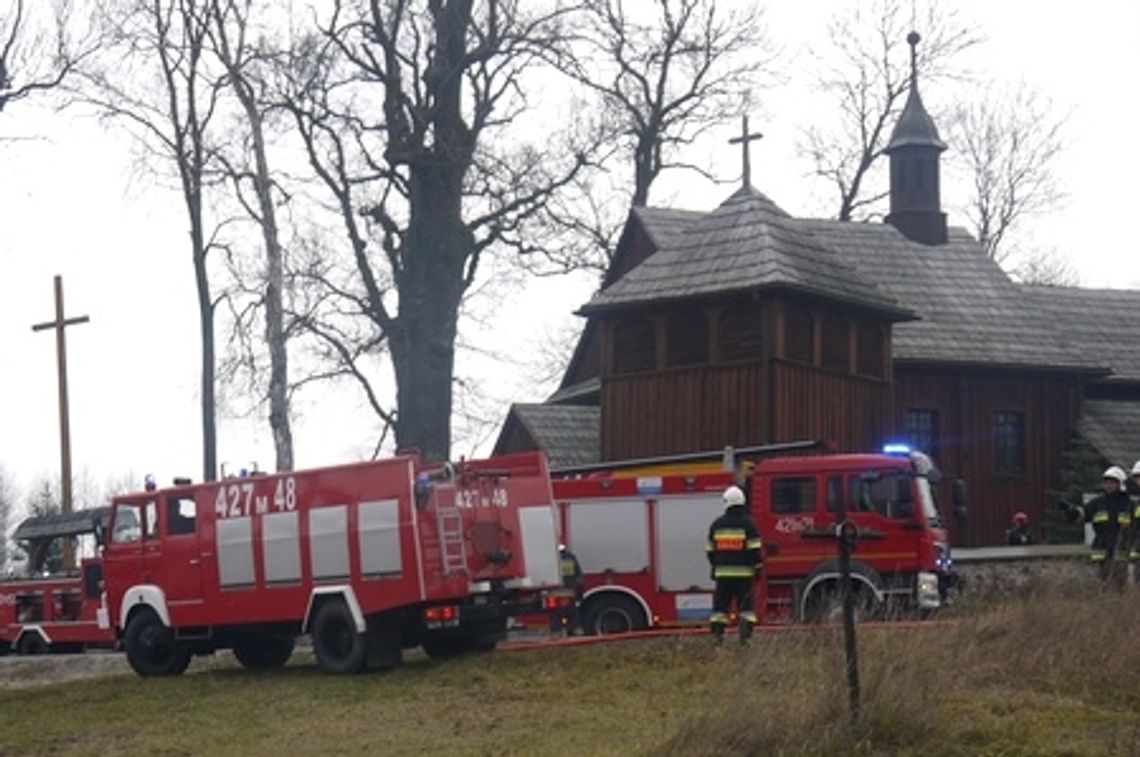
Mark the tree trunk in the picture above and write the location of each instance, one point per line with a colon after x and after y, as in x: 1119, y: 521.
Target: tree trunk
x: 431, y: 289
x: 206, y: 327
x: 274, y: 321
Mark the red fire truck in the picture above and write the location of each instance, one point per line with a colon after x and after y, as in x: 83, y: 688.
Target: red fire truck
x: 48, y: 611
x: 367, y: 558
x: 639, y: 532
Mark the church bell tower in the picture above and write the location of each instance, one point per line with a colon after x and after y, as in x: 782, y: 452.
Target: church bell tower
x: 914, y: 151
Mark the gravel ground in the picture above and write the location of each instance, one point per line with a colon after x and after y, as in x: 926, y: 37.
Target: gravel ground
x: 22, y: 672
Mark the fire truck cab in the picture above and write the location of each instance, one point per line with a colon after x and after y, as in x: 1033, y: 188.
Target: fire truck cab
x: 639, y: 534
x: 367, y: 558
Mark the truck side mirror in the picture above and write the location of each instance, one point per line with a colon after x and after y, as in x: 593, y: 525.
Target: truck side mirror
x: 960, y: 497
x: 100, y: 534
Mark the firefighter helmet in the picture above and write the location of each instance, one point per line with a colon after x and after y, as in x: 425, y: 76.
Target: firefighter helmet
x: 733, y: 496
x: 1020, y: 518
x: 1136, y: 469
x: 1116, y: 473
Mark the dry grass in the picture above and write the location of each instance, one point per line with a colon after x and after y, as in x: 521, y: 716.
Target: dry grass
x: 1048, y: 673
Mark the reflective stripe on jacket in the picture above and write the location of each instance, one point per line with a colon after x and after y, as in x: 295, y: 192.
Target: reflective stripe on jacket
x: 734, y: 546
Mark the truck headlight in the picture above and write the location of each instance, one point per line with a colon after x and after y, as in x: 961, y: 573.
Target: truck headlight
x: 926, y: 593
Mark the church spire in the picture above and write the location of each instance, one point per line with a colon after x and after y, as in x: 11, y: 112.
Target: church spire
x: 914, y: 150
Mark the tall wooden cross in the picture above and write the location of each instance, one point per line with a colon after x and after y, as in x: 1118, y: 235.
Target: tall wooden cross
x: 59, y: 324
x: 743, y: 141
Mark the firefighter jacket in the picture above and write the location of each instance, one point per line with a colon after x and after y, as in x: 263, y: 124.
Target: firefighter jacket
x: 571, y: 571
x: 1134, y: 541
x: 1109, y: 514
x: 733, y: 545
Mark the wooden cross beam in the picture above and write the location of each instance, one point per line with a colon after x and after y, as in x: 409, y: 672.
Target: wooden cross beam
x: 59, y: 324
x: 743, y: 140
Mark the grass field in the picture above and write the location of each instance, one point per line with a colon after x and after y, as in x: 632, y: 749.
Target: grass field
x: 1045, y: 675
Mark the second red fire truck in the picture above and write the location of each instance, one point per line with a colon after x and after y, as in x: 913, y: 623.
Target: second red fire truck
x: 367, y: 558
x: 638, y: 531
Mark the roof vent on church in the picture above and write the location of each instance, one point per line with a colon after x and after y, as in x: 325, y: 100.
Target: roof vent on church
x: 915, y: 127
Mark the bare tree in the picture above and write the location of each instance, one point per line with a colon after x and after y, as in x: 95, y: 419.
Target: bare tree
x: 867, y: 76
x: 1009, y: 145
x: 36, y: 53
x: 664, y: 73
x: 428, y: 181
x: 665, y: 79
x: 230, y: 41
x: 7, y: 510
x: 1046, y: 267
x: 154, y: 79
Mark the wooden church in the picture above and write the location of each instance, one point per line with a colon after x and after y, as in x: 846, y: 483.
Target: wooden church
x: 744, y: 325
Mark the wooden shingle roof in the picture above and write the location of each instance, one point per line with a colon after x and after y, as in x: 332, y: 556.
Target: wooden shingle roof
x: 747, y: 243
x: 970, y: 311
x: 1103, y: 324
x: 1113, y: 428
x: 569, y: 434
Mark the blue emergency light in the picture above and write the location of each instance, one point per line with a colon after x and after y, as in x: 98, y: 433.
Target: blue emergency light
x: 896, y: 449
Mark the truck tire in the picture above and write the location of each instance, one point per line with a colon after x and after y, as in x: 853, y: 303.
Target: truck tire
x: 612, y: 613
x: 31, y: 643
x: 444, y: 646
x: 266, y: 651
x: 5, y: 648
x: 385, y: 643
x: 151, y: 647
x: 825, y: 605
x: 339, y: 647
x: 478, y: 638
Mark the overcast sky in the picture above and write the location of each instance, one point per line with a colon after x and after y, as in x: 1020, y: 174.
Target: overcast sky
x: 73, y: 203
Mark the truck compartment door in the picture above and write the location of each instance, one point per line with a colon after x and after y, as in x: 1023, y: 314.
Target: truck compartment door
x: 682, y: 528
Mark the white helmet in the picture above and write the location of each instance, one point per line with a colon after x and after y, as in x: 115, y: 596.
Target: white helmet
x: 1117, y: 473
x: 1136, y: 469
x: 733, y: 496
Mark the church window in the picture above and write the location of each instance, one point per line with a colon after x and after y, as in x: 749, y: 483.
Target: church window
x: 900, y: 174
x: 635, y: 346
x: 870, y: 344
x: 920, y: 426
x: 799, y: 334
x: 687, y: 339
x: 918, y: 178
x: 836, y: 343
x: 741, y: 333
x: 1009, y: 444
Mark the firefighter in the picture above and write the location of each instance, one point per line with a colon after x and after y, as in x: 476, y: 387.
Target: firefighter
x: 1110, y: 515
x: 1133, y: 490
x: 1019, y: 533
x: 733, y: 549
x: 565, y: 619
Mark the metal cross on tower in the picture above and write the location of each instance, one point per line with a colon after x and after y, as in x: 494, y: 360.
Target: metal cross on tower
x: 59, y: 324
x: 743, y: 141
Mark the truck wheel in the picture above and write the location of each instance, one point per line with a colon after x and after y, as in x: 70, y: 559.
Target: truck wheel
x: 264, y: 651
x: 826, y: 605
x: 613, y: 613
x: 385, y: 643
x: 339, y: 647
x: 5, y: 648
x: 31, y: 643
x: 444, y: 646
x: 152, y: 649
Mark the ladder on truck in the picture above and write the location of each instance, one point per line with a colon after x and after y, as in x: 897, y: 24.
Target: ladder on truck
x: 452, y: 544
